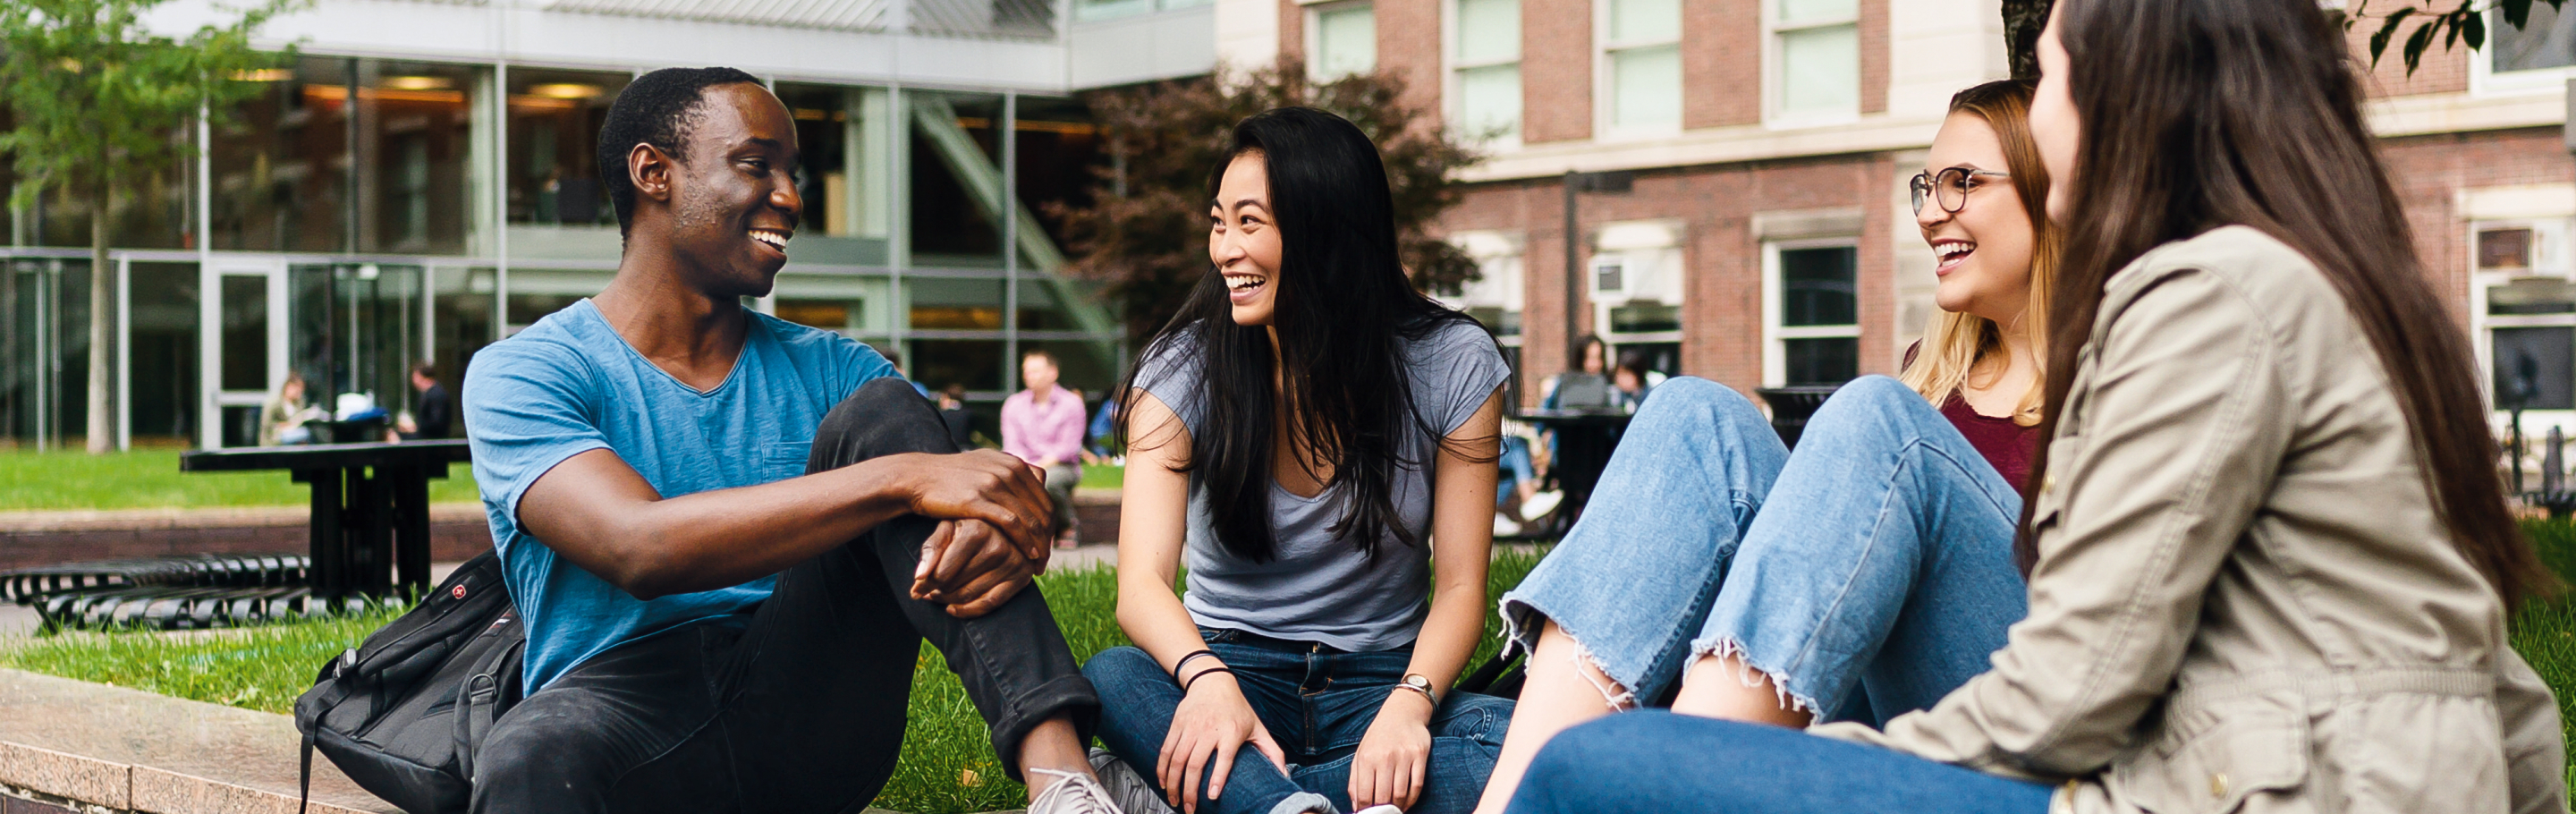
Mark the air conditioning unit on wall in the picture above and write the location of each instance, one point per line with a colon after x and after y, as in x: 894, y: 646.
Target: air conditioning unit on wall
x: 1609, y: 278
x: 2524, y: 248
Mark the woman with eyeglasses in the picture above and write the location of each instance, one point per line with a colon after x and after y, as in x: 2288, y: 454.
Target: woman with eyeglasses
x: 1862, y: 577
x: 2268, y: 551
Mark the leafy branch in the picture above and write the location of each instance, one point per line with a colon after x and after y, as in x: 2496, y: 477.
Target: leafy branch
x: 2464, y: 22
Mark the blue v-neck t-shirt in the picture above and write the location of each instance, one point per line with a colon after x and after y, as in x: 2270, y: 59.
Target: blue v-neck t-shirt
x: 569, y: 384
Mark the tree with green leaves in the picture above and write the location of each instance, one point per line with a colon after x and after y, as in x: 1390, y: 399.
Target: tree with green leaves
x: 98, y: 98
x: 1145, y: 231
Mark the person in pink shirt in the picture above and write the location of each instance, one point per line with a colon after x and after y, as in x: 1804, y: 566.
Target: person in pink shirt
x: 1043, y: 425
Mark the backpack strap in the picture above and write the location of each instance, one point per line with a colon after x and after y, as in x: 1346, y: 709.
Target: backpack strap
x: 304, y: 799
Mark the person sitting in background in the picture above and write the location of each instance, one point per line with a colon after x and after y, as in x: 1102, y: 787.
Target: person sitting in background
x: 1043, y: 425
x: 435, y: 411
x: 1632, y: 380
x: 952, y: 412
x: 281, y: 420
x: 1517, y: 479
x: 895, y: 358
x: 1104, y: 424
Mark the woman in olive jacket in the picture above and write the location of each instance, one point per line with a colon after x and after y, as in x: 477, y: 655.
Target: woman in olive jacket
x: 2270, y: 556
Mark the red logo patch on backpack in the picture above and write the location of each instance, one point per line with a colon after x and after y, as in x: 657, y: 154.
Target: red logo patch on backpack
x: 458, y: 592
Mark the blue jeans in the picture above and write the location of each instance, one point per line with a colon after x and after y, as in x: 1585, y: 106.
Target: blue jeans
x: 1868, y: 575
x: 1317, y: 701
x: 1655, y: 762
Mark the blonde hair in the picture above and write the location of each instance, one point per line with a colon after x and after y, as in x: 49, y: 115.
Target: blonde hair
x: 1955, y: 342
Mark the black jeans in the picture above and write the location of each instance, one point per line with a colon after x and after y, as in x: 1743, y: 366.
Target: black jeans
x: 803, y: 708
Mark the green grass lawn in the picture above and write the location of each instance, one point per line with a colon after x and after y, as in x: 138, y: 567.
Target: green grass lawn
x: 150, y: 478
x: 265, y: 668
x: 1103, y: 476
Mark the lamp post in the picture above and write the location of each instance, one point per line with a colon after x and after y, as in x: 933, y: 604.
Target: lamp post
x: 1617, y: 182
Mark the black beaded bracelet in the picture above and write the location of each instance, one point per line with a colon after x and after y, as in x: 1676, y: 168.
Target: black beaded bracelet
x: 1194, y: 677
x: 1185, y: 660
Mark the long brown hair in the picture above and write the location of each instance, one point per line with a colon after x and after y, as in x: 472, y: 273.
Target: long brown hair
x: 1954, y: 342
x: 2206, y: 113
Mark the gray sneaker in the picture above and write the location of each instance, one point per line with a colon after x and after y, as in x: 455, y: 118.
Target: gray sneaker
x: 1131, y: 791
x: 1071, y: 793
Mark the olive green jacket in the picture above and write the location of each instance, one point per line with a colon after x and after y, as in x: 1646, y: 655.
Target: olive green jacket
x: 2244, y: 600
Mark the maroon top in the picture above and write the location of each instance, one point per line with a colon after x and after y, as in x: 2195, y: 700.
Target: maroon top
x: 2005, y: 444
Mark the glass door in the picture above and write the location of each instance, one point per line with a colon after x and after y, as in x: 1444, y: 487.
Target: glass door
x: 243, y: 356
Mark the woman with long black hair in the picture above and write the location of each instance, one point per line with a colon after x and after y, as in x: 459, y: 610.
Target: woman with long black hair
x: 2269, y: 555
x: 1319, y: 440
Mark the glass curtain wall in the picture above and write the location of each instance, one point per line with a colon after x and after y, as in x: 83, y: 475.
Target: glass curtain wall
x: 355, y: 332
x: 553, y: 168
x: 44, y: 336
x: 161, y: 357
x: 283, y: 167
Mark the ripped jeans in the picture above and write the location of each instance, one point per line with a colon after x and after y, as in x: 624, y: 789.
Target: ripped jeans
x: 1868, y: 574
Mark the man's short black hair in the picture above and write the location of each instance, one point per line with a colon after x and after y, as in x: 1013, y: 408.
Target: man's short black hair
x: 658, y: 108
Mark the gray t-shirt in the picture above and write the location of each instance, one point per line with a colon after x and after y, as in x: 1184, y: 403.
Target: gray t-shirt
x: 1320, y: 589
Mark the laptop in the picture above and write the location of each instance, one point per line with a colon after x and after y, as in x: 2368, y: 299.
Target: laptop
x: 1582, y: 391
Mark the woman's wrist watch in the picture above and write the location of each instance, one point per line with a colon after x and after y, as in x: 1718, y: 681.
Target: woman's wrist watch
x: 1420, y: 683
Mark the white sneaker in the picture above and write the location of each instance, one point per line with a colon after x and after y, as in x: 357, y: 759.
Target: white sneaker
x: 1538, y: 505
x: 1503, y: 525
x: 1130, y: 791
x: 1072, y: 793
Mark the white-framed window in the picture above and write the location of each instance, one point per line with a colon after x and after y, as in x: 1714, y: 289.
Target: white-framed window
x: 1814, y: 65
x: 2538, y: 57
x: 1498, y: 296
x: 1635, y: 282
x: 1341, y: 39
x: 2523, y: 299
x: 1640, y: 68
x: 1485, y: 70
x: 1810, y: 311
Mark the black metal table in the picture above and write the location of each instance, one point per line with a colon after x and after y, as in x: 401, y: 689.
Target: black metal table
x: 1584, y: 441
x: 370, y: 510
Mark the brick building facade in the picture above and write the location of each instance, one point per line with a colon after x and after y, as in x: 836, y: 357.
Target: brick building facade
x: 1767, y: 237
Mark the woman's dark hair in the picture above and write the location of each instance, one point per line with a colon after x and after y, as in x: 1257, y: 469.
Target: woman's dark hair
x: 1343, y: 310
x: 1583, y: 348
x: 2199, y: 114
x: 1634, y: 360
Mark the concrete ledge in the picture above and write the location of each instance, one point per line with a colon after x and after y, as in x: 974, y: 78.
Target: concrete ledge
x: 67, y: 776
x: 116, y: 749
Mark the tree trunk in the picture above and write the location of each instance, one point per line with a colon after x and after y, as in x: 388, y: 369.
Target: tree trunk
x: 2023, y: 20
x: 102, y: 288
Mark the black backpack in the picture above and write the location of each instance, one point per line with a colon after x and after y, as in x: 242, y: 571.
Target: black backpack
x: 402, y: 713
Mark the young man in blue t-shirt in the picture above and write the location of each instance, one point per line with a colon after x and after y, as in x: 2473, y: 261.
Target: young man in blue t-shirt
x: 729, y: 534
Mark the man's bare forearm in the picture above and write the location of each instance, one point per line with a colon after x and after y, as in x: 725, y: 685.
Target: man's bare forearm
x: 606, y: 519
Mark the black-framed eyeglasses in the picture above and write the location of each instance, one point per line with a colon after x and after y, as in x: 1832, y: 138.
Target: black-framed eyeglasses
x: 1948, y: 187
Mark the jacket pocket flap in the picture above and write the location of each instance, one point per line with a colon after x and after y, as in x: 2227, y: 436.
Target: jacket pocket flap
x: 2209, y: 761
